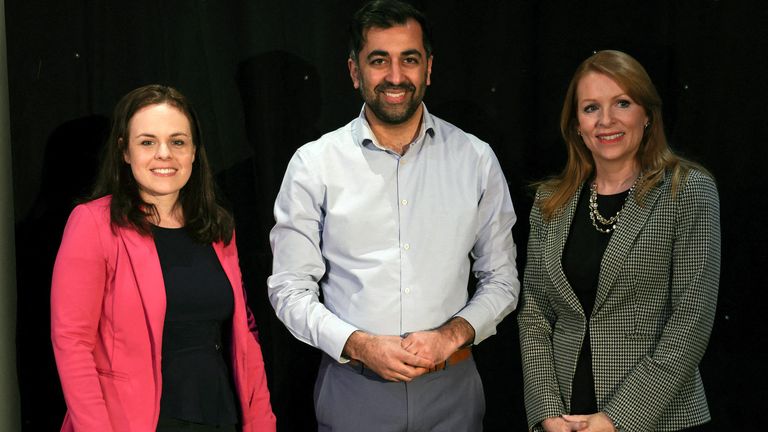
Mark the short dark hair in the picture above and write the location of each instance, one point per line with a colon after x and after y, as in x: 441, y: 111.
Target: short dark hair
x: 385, y: 14
x: 205, y: 220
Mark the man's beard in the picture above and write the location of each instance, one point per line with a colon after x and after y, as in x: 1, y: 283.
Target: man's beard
x: 393, y: 114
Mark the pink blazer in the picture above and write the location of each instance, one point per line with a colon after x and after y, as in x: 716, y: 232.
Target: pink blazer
x: 107, y: 315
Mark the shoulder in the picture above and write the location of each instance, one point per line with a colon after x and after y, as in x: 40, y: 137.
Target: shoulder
x: 689, y: 184
x: 338, y: 138
x: 454, y: 136
x: 97, y: 211
x: 699, y: 180
x: 89, y: 225
x: 697, y: 190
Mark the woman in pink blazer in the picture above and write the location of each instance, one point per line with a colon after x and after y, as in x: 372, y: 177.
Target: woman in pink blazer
x: 149, y: 321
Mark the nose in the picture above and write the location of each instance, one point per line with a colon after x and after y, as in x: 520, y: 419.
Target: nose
x: 163, y: 151
x: 395, y: 75
x: 606, y: 117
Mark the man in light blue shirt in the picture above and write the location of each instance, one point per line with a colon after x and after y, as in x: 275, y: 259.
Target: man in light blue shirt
x: 387, y: 215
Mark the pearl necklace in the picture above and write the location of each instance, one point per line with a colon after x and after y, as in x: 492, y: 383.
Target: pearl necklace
x: 606, y: 225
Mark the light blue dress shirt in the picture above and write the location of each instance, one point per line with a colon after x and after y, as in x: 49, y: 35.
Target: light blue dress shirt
x: 388, y: 238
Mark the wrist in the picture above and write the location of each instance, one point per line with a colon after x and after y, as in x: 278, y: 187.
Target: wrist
x: 355, y: 345
x: 459, y: 332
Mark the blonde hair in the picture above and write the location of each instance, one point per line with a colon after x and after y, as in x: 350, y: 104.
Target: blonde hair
x: 654, y: 155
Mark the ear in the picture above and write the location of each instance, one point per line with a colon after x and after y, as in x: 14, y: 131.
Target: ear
x: 429, y: 69
x: 354, y: 72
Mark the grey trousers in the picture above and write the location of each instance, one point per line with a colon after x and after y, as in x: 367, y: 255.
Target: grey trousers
x: 354, y: 399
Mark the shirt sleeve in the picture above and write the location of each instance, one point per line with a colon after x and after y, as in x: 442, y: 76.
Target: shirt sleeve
x: 298, y: 264
x: 77, y: 291
x: 494, y: 255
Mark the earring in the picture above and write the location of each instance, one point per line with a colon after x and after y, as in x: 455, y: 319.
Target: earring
x: 647, y: 124
x: 578, y: 132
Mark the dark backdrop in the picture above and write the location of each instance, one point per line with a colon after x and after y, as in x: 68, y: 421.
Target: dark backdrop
x: 268, y: 76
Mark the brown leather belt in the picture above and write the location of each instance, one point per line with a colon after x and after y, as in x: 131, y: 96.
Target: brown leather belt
x: 455, y: 358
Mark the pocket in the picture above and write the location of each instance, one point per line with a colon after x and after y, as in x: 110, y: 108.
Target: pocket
x: 112, y: 374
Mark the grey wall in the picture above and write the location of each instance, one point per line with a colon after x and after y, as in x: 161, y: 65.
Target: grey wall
x: 9, y: 390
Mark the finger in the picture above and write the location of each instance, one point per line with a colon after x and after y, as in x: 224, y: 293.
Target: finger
x: 414, y: 360
x: 414, y: 372
x: 577, y: 426
x: 574, y: 418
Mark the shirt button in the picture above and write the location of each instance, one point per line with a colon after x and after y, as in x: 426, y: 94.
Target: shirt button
x: 404, y: 202
x: 406, y: 246
x: 407, y: 290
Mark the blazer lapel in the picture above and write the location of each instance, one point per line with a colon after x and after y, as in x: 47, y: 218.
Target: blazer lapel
x: 145, y: 265
x: 632, y: 220
x: 556, y: 236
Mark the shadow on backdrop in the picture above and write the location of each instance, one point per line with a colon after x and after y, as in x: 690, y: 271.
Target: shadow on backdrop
x: 281, y: 103
x: 69, y: 169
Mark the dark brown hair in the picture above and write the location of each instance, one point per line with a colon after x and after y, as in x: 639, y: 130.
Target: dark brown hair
x: 205, y: 220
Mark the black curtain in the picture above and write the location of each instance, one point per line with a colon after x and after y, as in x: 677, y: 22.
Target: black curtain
x: 269, y: 76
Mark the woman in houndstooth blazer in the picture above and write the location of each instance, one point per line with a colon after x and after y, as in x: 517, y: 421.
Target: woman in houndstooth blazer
x: 623, y: 264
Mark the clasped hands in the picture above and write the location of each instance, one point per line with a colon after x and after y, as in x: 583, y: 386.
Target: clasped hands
x: 598, y: 422
x: 397, y: 358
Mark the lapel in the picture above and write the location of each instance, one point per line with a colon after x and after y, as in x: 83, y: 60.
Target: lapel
x: 229, y: 262
x: 555, y: 237
x: 633, y: 218
x: 144, y: 264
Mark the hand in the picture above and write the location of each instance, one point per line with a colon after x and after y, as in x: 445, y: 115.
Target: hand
x: 598, y: 422
x: 385, y: 356
x: 437, y: 345
x: 559, y: 424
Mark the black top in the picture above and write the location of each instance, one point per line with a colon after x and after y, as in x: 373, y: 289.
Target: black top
x: 197, y: 384
x: 582, y: 255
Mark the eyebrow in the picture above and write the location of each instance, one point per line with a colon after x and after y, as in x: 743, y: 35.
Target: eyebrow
x: 149, y: 135
x: 618, y: 96
x: 382, y: 53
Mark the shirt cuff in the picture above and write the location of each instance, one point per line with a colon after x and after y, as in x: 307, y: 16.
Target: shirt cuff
x: 335, y: 338
x: 477, y: 317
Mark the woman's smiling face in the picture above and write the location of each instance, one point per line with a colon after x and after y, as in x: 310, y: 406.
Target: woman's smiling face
x: 610, y: 122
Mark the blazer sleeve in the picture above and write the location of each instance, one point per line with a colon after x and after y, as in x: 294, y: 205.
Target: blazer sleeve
x: 257, y: 415
x: 694, y: 279
x: 262, y: 419
x: 536, y: 319
x: 80, y: 274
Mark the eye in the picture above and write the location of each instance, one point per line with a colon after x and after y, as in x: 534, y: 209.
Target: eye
x: 377, y: 62
x: 590, y: 108
x: 411, y: 60
x: 623, y: 103
x: 146, y: 143
x: 178, y: 143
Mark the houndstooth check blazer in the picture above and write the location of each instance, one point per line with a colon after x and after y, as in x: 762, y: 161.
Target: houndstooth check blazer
x: 652, y: 317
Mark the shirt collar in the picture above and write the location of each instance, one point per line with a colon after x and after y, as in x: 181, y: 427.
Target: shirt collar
x: 363, y: 135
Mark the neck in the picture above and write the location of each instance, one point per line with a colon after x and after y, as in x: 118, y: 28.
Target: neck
x: 613, y: 179
x: 396, y: 137
x: 168, y: 212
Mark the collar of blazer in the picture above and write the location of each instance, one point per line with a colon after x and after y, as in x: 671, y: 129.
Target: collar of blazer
x: 145, y: 265
x: 634, y: 217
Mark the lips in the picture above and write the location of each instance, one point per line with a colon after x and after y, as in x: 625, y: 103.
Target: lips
x: 164, y: 172
x: 610, y: 138
x: 395, y: 94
